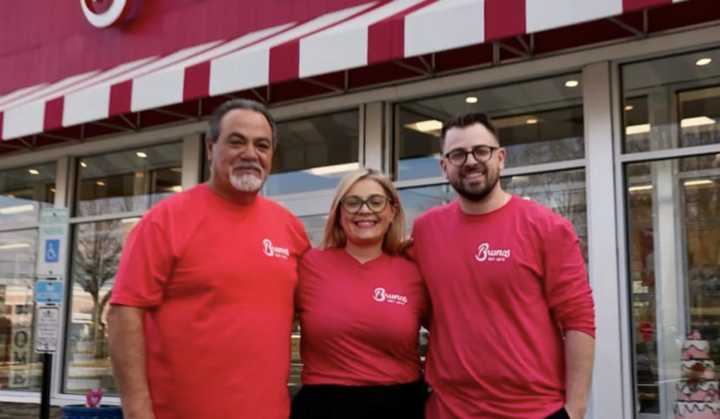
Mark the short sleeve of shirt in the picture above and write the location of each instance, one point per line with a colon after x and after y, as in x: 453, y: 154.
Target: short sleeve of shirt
x: 302, y: 242
x: 145, y: 266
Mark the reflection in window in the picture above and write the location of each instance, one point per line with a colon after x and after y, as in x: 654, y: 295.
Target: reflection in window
x: 314, y: 153
x: 662, y: 110
x: 23, y: 192
x: 95, y: 258
x: 416, y: 201
x: 539, y: 121
x: 674, y: 250
x: 699, y: 116
x: 637, y: 128
x: 315, y: 228
x: 131, y: 180
x: 563, y: 192
x: 20, y: 367
x: 542, y: 136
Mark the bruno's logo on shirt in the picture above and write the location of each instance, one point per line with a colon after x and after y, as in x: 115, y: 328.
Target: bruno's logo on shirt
x: 381, y: 296
x: 485, y: 253
x: 276, y: 251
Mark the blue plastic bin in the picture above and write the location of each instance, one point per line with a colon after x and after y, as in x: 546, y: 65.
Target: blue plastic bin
x: 78, y: 411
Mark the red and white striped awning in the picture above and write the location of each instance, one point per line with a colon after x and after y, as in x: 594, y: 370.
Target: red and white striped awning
x: 357, y: 37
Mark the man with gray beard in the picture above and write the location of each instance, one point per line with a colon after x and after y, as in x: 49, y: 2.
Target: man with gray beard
x: 202, y: 307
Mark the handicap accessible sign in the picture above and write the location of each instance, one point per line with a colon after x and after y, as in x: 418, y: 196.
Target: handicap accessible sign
x: 52, y: 241
x: 52, y: 250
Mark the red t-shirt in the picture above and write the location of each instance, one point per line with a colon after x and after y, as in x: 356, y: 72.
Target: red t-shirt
x: 359, y: 322
x: 503, y: 286
x: 217, y: 281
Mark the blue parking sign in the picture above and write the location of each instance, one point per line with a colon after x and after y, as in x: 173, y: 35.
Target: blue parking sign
x: 52, y: 250
x: 49, y: 290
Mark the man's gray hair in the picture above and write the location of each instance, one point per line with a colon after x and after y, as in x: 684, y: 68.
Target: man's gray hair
x: 213, y: 132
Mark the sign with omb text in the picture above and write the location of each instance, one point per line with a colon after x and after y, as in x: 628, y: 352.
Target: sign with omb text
x: 47, y: 326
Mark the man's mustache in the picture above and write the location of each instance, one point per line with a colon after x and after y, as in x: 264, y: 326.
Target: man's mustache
x: 248, y: 166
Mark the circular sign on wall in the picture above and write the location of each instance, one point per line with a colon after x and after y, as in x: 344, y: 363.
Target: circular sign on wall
x: 104, y: 13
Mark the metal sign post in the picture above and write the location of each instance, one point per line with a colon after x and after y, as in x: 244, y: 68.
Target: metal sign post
x: 49, y: 292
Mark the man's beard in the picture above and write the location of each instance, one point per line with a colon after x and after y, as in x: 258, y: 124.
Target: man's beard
x: 477, y: 193
x: 246, y: 182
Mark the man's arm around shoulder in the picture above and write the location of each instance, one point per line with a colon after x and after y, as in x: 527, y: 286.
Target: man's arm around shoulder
x: 127, y: 351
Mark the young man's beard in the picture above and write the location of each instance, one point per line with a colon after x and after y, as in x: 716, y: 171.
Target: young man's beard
x: 476, y: 195
x: 246, y: 182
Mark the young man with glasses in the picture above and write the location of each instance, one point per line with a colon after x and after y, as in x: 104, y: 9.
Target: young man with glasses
x: 512, y: 329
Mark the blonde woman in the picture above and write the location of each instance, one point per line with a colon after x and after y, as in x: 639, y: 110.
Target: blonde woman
x: 360, y: 304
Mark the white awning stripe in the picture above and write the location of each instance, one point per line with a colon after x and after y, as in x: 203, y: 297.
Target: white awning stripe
x: 250, y: 67
x: 445, y: 25
x: 548, y: 14
x: 345, y: 45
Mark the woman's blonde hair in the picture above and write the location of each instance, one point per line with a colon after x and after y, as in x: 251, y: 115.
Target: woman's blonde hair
x: 335, y: 236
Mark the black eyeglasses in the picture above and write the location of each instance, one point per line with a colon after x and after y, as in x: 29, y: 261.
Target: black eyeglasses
x: 481, y: 153
x: 375, y: 203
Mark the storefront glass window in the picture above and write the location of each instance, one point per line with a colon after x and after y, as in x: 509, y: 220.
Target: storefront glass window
x: 127, y: 181
x: 674, y: 251
x: 97, y: 248
x: 20, y: 368
x: 314, y: 153
x: 672, y: 102
x: 23, y: 192
x: 538, y: 121
x: 115, y: 183
x: 672, y: 212
x: 315, y: 228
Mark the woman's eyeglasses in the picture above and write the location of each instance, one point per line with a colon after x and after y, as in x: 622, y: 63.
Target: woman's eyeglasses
x: 375, y: 203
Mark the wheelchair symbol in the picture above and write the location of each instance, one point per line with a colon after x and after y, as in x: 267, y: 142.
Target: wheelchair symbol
x: 52, y: 250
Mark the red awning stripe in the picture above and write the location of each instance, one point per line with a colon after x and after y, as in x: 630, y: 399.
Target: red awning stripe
x: 370, y: 33
x: 386, y: 38
x: 633, y: 5
x: 504, y: 18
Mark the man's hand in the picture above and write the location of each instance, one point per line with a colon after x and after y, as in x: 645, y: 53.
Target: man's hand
x: 127, y: 352
x: 579, y: 354
x: 575, y: 412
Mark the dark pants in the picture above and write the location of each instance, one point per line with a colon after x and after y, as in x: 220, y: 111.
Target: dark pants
x: 399, y: 401
x: 560, y: 414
